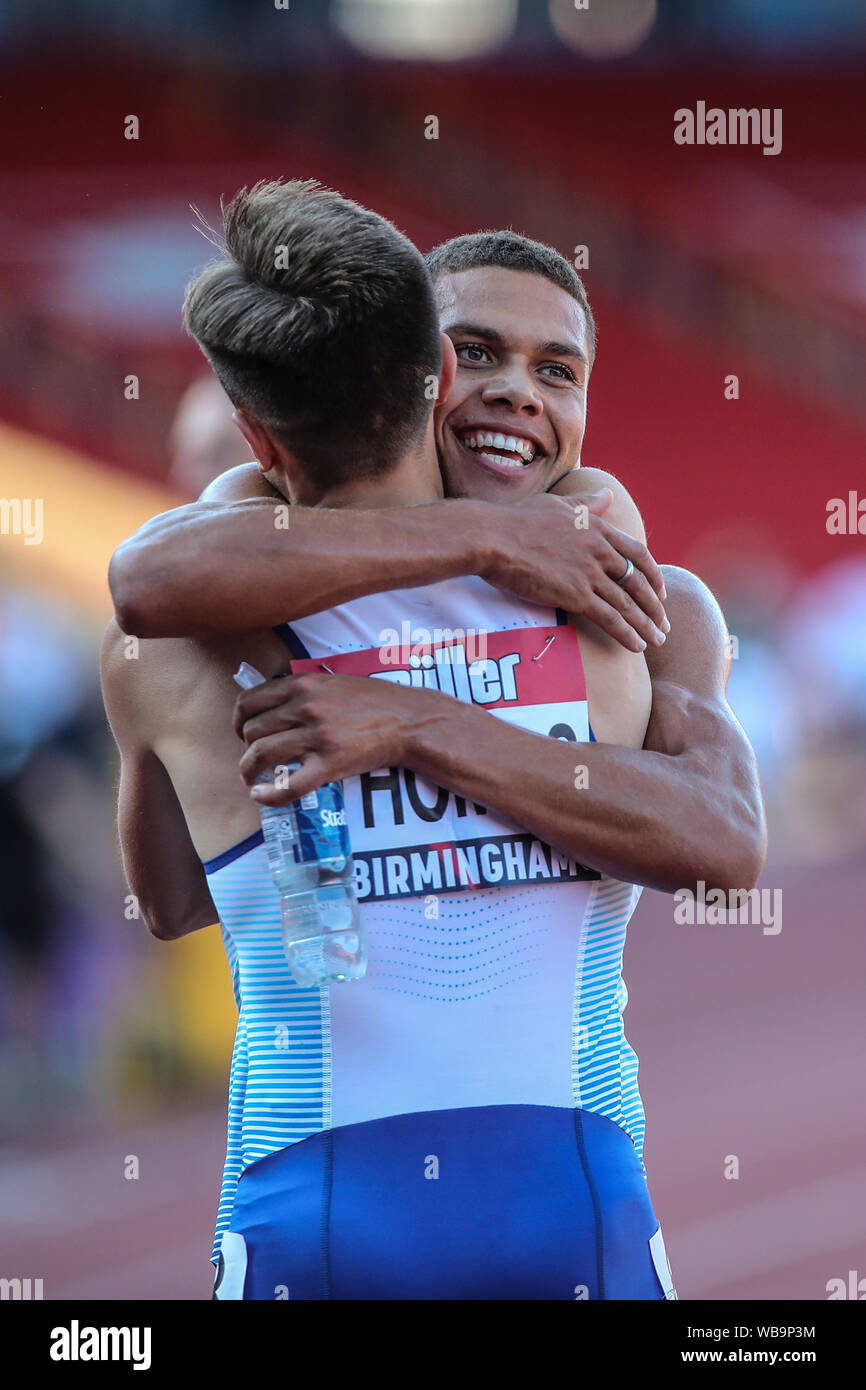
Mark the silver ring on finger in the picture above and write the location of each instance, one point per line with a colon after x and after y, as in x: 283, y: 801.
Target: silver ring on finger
x: 627, y: 574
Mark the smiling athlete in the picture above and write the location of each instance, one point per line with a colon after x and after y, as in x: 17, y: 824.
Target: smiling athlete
x: 464, y: 1123
x: 498, y: 322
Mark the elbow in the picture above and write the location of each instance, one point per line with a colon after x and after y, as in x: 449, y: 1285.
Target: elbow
x: 135, y: 593
x: 740, y: 865
x: 160, y: 916
x: 750, y: 840
x: 173, y: 927
x: 728, y: 836
x: 126, y: 591
x: 158, y: 925
x: 162, y: 930
x: 754, y: 855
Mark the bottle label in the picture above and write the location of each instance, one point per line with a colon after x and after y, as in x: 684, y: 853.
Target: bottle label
x: 280, y: 837
x: 323, y: 833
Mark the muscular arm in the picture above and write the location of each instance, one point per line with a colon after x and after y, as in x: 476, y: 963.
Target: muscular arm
x: 161, y: 866
x: 241, y: 558
x: 685, y: 807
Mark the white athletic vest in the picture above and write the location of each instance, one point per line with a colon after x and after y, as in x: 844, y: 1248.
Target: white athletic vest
x: 494, y: 973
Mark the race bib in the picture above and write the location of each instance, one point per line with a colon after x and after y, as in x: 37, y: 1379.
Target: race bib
x: 410, y: 837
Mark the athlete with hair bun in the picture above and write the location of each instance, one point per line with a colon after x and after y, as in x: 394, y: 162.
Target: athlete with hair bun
x: 465, y: 1122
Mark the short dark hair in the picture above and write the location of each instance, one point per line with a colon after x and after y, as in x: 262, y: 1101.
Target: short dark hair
x: 320, y: 321
x: 509, y: 250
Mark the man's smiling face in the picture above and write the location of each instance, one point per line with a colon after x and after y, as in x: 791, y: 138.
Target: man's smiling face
x: 513, y: 422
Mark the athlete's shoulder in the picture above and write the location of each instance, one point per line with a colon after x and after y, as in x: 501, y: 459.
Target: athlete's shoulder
x: 623, y: 511
x: 697, y: 646
x: 131, y: 670
x: 239, y: 485
x: 690, y: 590
x: 147, y: 681
x: 694, y: 603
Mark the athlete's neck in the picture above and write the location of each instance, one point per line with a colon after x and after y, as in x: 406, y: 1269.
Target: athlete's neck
x: 413, y: 481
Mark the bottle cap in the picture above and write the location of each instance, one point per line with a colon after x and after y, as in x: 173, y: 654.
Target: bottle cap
x: 246, y: 676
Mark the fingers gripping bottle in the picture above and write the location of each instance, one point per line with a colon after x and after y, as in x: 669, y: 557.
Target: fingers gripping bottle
x: 310, y: 859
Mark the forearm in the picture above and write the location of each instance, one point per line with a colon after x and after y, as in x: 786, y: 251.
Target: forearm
x: 635, y: 815
x: 230, y: 567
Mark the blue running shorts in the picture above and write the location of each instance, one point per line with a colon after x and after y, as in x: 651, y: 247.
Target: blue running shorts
x: 491, y: 1202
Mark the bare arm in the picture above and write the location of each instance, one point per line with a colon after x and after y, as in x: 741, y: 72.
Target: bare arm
x: 685, y: 807
x: 161, y: 866
x: 242, y: 558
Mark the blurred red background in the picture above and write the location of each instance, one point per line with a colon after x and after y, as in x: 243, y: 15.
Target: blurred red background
x: 703, y: 263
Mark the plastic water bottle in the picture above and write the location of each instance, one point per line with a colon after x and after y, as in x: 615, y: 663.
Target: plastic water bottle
x: 310, y: 859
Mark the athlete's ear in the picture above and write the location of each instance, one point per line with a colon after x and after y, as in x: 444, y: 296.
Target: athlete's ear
x: 448, y: 370
x: 264, y: 448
